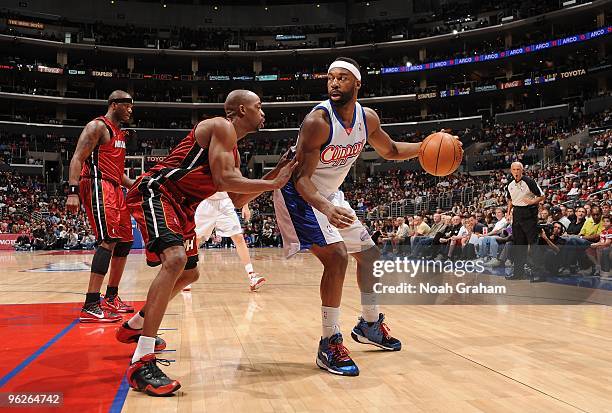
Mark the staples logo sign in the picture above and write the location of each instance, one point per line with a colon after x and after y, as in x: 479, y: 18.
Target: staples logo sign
x: 338, y: 155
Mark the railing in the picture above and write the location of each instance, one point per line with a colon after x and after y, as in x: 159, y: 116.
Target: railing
x: 420, y: 204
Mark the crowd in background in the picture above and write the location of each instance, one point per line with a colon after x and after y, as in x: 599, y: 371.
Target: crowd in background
x: 428, y: 21
x: 26, y: 208
x: 453, y: 216
x: 500, y: 143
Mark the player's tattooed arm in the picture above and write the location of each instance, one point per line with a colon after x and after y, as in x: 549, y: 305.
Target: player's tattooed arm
x: 94, y: 133
x: 382, y: 142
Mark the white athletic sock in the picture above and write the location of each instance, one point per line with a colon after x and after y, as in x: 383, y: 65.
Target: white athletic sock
x: 136, y: 322
x: 249, y: 268
x: 369, y: 307
x: 330, y: 317
x: 146, y: 345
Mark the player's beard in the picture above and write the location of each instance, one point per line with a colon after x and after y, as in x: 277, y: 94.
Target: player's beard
x: 345, y: 97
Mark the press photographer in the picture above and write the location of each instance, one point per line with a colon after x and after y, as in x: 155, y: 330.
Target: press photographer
x: 546, y: 257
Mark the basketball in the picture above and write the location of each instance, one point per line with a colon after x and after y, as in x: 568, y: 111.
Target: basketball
x: 440, y: 154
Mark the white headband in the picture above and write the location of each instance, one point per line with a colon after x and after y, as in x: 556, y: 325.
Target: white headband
x: 345, y: 65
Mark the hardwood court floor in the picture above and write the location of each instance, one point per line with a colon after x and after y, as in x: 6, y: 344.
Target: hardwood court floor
x: 238, y: 351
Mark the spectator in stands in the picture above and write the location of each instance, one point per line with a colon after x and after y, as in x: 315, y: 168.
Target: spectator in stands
x: 550, y: 248
x: 544, y: 216
x: 577, y: 221
x: 401, y: 234
x: 23, y: 243
x: 89, y: 241
x: 436, y: 230
x: 72, y: 240
x: 488, y: 244
x: 556, y: 213
x: 451, y: 236
x: 267, y: 233
x: 605, y: 208
x: 589, y: 234
x: 600, y: 252
x: 421, y: 230
x: 50, y: 239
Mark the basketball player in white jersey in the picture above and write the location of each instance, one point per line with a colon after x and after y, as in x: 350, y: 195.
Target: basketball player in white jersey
x: 218, y: 212
x: 312, y: 213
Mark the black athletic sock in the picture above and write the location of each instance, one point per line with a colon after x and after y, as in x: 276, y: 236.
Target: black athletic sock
x: 141, y: 313
x: 92, y: 298
x: 111, y: 292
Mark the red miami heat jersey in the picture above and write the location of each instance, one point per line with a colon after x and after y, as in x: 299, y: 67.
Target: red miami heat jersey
x: 185, y: 173
x: 107, y: 161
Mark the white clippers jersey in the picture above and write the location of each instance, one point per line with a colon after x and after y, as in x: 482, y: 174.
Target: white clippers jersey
x: 341, y: 150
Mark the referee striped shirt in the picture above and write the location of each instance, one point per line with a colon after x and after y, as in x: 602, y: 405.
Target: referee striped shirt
x: 525, y: 188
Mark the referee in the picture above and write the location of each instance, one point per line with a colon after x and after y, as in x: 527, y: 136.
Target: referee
x: 523, y: 195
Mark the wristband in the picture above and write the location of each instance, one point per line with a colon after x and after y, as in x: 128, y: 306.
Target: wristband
x: 73, y: 190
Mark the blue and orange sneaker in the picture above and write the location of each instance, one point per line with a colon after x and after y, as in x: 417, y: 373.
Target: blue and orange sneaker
x: 376, y: 333
x: 334, y: 357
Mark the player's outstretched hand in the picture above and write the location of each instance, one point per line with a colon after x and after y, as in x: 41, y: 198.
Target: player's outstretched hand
x: 285, y: 174
x: 72, y: 203
x: 454, y: 136
x: 286, y: 157
x: 340, y: 217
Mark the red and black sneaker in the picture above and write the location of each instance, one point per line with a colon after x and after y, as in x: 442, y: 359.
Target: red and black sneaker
x: 92, y: 313
x: 116, y: 305
x: 144, y: 375
x: 126, y: 334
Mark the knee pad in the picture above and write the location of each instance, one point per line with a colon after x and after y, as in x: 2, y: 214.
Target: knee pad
x: 122, y: 249
x: 101, y: 261
x: 191, y: 263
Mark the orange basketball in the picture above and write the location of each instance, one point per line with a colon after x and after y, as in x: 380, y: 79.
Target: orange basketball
x: 440, y: 154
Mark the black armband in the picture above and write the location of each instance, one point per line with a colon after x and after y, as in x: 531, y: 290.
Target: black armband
x: 73, y: 189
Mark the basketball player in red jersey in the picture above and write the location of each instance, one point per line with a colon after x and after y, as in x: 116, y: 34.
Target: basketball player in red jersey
x: 163, y: 202
x: 96, y: 177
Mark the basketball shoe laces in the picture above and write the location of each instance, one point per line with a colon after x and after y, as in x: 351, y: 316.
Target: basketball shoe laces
x: 93, y: 308
x: 339, y: 352
x: 384, y: 329
x: 151, y: 371
x: 119, y: 301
